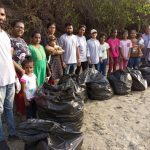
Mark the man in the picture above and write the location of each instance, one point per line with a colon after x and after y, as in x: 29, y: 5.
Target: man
x: 146, y: 51
x: 7, y: 83
x: 94, y: 51
x: 70, y: 45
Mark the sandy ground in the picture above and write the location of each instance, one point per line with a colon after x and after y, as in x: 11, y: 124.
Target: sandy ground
x: 121, y: 123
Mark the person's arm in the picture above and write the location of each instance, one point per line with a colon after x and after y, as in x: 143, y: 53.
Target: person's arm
x: 18, y: 68
x: 23, y: 85
x: 78, y: 56
x: 88, y: 55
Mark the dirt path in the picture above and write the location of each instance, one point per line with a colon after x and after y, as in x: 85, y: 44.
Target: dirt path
x: 121, y: 123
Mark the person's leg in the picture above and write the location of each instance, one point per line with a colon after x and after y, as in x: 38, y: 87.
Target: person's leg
x: 84, y: 65
x: 121, y: 63
x: 34, y: 109
x: 77, y: 72
x: 97, y: 66
x: 2, y: 97
x: 125, y: 63
x: 137, y: 62
x: 115, y: 63
x: 90, y: 65
x: 104, y: 64
x: 110, y: 65
x: 66, y: 70
x: 72, y: 68
x: 8, y: 108
x: 131, y: 62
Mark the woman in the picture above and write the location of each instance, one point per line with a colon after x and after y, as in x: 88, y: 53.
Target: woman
x: 83, y: 49
x: 20, y: 50
x: 136, y: 53
x: 55, y: 59
x: 39, y: 57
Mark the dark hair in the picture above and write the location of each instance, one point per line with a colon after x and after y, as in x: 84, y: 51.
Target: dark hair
x: 125, y: 31
x: 13, y: 24
x: 2, y: 6
x: 102, y: 34
x: 82, y: 26
x: 139, y: 35
x: 50, y: 23
x: 113, y: 30
x: 68, y: 24
x: 34, y: 32
x: 27, y: 60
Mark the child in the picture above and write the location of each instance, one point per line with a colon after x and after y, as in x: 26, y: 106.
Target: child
x: 29, y: 86
x: 125, y: 46
x: 104, y: 53
x: 114, y: 43
x: 93, y: 50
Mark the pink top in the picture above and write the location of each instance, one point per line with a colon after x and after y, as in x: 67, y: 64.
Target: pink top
x: 114, y: 47
x: 125, y: 46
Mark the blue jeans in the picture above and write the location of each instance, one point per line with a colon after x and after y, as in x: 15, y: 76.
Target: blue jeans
x: 6, y: 105
x: 70, y: 69
x: 103, y: 67
x: 95, y: 65
x: 134, y: 62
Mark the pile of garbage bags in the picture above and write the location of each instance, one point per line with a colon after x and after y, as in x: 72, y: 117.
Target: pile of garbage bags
x: 145, y: 70
x: 97, y: 86
x: 121, y: 82
x: 138, y: 84
x: 61, y: 103
x: 48, y: 135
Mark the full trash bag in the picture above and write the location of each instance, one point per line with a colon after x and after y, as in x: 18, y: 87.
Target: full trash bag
x: 138, y: 84
x: 35, y: 131
x: 121, y: 82
x: 145, y: 70
x: 61, y: 104
x: 98, y: 87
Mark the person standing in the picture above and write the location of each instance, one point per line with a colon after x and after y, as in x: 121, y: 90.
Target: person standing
x: 7, y: 83
x: 146, y: 50
x: 39, y: 57
x: 125, y: 48
x: 93, y: 50
x: 20, y: 50
x: 54, y: 59
x: 114, y: 43
x: 83, y: 49
x: 136, y: 53
x: 70, y: 45
x: 104, y: 52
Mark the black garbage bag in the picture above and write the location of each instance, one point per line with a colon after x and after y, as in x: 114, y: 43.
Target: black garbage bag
x: 98, y: 87
x: 145, y: 70
x: 138, y: 84
x: 59, y: 137
x: 61, y: 104
x: 121, y: 82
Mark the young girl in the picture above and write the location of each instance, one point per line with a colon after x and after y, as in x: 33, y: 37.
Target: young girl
x: 125, y: 46
x: 104, y: 53
x: 136, y: 53
x: 39, y: 57
x: 114, y: 43
x: 29, y: 86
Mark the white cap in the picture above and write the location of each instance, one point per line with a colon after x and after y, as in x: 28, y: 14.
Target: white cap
x: 93, y: 31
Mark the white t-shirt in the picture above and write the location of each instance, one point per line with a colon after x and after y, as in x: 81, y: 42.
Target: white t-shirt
x: 31, y: 85
x: 93, y: 50
x: 148, y: 45
x: 7, y: 71
x: 69, y: 44
x: 125, y: 46
x: 104, y: 48
x: 82, y: 48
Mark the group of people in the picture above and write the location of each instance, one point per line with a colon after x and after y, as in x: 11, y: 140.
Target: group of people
x: 48, y: 58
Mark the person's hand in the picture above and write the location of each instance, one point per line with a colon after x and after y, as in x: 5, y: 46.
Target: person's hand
x: 27, y: 103
x: 89, y: 61
x: 101, y: 60
x: 22, y: 72
x: 79, y: 63
x: 64, y: 65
